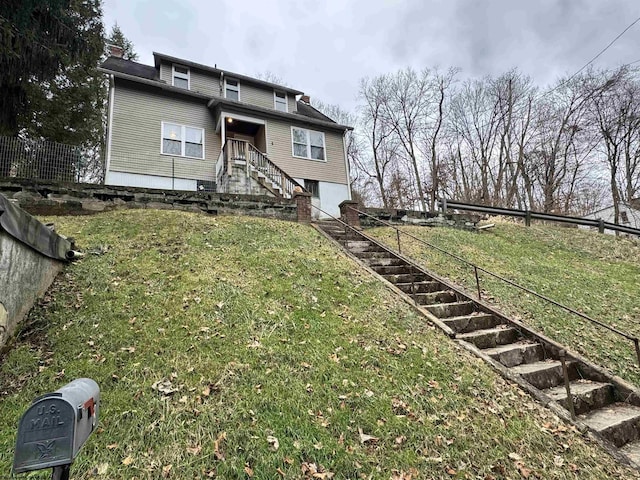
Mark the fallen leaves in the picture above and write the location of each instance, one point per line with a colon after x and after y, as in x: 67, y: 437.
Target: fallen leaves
x: 364, y: 438
x: 273, y: 442
x: 127, y: 461
x: 217, y: 446
x: 311, y: 470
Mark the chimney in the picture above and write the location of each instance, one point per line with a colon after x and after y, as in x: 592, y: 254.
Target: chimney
x: 115, y: 51
x: 306, y: 99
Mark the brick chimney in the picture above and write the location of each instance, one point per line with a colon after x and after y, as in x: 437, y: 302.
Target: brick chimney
x: 115, y: 50
x: 306, y: 99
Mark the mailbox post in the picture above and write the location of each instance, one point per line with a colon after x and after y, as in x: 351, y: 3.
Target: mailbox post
x: 55, y: 427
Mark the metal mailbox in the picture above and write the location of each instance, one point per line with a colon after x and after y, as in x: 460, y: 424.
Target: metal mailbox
x: 56, y: 425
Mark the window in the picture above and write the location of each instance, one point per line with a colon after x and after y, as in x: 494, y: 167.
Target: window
x: 182, y: 141
x: 280, y: 101
x: 308, y: 144
x: 624, y: 217
x: 232, y: 89
x: 313, y: 187
x: 180, y: 77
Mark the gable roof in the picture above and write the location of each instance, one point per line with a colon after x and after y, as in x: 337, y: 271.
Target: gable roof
x: 161, y: 56
x: 130, y: 67
x: 309, y: 111
x: 136, y: 72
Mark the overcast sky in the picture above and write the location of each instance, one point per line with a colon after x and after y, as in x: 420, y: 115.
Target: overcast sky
x: 324, y: 47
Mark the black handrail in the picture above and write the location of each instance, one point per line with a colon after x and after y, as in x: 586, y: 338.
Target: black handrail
x: 529, y: 215
x: 477, y: 268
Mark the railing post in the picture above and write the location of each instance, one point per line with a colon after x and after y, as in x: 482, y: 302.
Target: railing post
x: 349, y: 214
x: 527, y: 218
x: 600, y: 225
x: 637, y: 345
x: 475, y: 271
x: 567, y: 385
x: 303, y: 206
x: 413, y: 285
x: 398, y: 236
x: 443, y: 202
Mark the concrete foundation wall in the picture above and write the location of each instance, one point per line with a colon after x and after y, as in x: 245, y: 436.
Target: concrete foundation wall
x: 24, y: 276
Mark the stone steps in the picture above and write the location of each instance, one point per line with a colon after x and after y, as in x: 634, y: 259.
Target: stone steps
x: 596, y: 402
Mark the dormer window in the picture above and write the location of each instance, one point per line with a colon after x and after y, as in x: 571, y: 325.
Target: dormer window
x: 280, y: 101
x: 231, y: 89
x: 180, y: 77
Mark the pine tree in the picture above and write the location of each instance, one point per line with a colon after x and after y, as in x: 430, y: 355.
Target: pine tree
x: 49, y: 86
x: 116, y: 37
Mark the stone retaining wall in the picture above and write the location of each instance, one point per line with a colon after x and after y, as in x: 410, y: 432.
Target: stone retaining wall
x: 40, y: 198
x: 465, y: 221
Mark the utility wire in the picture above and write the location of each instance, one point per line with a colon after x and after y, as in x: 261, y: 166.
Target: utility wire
x: 575, y: 74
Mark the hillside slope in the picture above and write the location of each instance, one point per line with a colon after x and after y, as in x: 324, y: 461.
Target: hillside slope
x: 596, y: 274
x: 233, y: 347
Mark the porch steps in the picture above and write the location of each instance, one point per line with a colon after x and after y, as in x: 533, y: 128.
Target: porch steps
x: 602, y: 403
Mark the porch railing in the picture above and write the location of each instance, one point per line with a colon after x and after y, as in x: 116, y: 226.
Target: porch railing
x: 241, y: 152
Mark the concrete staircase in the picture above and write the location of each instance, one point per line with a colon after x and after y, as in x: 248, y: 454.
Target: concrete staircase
x: 603, y: 404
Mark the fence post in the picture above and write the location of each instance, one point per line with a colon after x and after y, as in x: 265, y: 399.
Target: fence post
x: 398, y: 236
x: 600, y: 225
x: 443, y: 202
x: 527, y: 218
x: 475, y: 270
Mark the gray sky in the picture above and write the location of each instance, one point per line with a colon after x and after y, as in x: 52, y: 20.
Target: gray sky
x: 324, y: 47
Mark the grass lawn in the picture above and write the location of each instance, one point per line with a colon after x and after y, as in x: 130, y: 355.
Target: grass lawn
x: 598, y: 275
x: 233, y: 347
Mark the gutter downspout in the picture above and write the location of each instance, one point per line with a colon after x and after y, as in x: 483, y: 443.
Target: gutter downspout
x: 112, y: 93
x: 346, y: 164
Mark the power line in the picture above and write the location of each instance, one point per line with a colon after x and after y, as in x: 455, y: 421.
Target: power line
x: 575, y: 74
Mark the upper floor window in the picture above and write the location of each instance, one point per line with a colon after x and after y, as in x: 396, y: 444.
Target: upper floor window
x: 280, y: 101
x: 182, y: 141
x: 180, y: 76
x: 231, y: 89
x: 308, y: 144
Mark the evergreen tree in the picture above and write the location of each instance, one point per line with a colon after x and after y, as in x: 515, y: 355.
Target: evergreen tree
x: 49, y: 85
x: 116, y: 37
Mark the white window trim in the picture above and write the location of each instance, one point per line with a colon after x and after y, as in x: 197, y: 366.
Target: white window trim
x: 183, y: 141
x: 186, y: 77
x: 286, y: 101
x: 232, y: 87
x: 308, y: 157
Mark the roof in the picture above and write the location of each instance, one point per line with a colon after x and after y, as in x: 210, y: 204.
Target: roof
x: 145, y: 74
x: 630, y: 206
x: 130, y: 67
x: 309, y: 111
x: 324, y: 121
x: 161, y: 56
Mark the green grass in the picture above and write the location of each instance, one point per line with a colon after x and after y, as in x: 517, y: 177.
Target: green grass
x: 259, y: 330
x: 595, y: 274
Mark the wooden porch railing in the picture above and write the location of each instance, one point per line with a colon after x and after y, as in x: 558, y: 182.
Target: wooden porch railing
x: 239, y: 151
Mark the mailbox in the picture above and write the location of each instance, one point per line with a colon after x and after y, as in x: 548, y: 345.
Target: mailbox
x: 56, y: 425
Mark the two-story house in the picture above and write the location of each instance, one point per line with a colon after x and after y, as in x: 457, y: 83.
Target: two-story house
x: 185, y: 126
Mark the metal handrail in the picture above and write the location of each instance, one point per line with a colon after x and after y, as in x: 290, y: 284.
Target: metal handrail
x: 477, y: 268
x: 529, y: 215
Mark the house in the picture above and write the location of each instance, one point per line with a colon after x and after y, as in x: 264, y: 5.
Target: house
x: 181, y: 125
x: 629, y: 215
